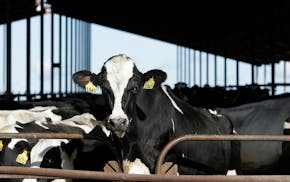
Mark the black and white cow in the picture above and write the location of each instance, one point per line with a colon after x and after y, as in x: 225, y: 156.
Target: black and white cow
x: 268, y: 117
x: 145, y: 115
x: 53, y: 153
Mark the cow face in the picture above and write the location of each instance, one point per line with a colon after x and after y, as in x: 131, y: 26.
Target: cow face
x: 120, y: 82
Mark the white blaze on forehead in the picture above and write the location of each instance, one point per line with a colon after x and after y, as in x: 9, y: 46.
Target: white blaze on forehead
x: 119, y: 71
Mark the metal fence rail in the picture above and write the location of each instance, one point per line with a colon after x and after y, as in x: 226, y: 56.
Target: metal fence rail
x: 79, y: 174
x: 42, y: 135
x: 215, y: 138
x: 46, y: 173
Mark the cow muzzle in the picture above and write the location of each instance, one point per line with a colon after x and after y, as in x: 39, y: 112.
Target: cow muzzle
x: 118, y: 126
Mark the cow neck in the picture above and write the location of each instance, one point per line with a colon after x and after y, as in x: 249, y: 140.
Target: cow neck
x: 153, y: 102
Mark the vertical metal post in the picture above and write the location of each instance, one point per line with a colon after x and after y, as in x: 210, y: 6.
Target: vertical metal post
x: 177, y: 63
x: 4, y: 74
x: 200, y: 69
x: 181, y: 65
x: 252, y: 72
x: 71, y: 53
x: 41, y: 50
x: 207, y: 69
x: 75, y: 51
x: 265, y: 75
x: 189, y: 68
x: 237, y: 73
x: 66, y: 55
x: 78, y: 48
x: 285, y: 75
x: 8, y: 57
x: 85, y: 44
x: 225, y: 72
x: 81, y: 45
x: 215, y: 70
x: 184, y: 56
x: 273, y: 78
x: 194, y: 67
x: 28, y: 58
x: 52, y: 55
x: 257, y: 74
x: 88, y: 44
x: 60, y: 55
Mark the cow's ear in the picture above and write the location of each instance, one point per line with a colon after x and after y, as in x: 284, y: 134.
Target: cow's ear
x: 87, y: 80
x: 153, y: 78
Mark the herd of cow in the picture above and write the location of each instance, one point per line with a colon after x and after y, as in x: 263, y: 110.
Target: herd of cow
x: 140, y: 115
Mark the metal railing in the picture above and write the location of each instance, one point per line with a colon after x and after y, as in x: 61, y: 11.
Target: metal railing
x: 40, y: 173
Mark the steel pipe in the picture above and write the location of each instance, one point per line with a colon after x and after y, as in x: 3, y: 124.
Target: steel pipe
x: 79, y: 174
x: 202, y: 137
x: 42, y: 135
x: 172, y: 143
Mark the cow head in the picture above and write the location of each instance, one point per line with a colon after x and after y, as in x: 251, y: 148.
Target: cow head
x: 120, y: 82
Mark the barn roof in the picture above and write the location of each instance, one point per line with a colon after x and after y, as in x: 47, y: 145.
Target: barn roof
x: 16, y: 9
x: 253, y: 31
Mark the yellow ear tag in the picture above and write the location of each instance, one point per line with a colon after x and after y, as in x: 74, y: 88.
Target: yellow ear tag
x: 74, y: 154
x: 91, y: 88
x: 22, y: 158
x: 1, y: 145
x: 149, y: 84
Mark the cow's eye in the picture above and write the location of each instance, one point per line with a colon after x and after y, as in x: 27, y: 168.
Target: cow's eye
x: 133, y: 90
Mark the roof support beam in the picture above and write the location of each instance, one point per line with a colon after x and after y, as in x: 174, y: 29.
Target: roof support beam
x: 273, y: 78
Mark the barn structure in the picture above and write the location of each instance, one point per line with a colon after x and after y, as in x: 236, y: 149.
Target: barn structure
x: 255, y: 32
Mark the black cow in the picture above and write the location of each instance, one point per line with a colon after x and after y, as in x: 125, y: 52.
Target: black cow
x: 145, y: 115
x: 268, y: 117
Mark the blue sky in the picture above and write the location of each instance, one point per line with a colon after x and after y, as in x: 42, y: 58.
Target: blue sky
x: 146, y: 52
x: 105, y: 42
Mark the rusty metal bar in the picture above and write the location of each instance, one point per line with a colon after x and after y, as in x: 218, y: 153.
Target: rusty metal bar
x: 172, y: 143
x: 80, y: 174
x: 201, y: 137
x: 42, y: 135
x: 16, y: 176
